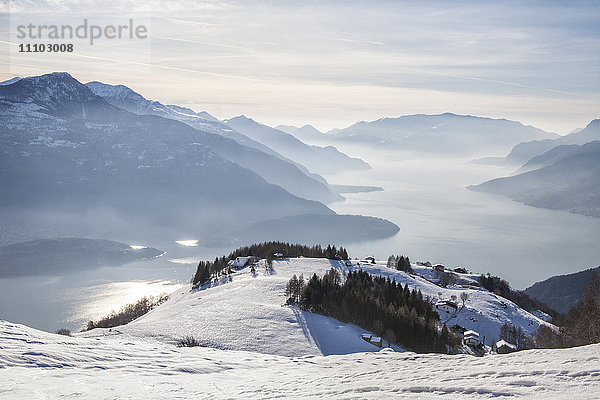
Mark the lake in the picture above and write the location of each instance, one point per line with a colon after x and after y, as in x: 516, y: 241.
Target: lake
x: 72, y: 299
x: 443, y: 222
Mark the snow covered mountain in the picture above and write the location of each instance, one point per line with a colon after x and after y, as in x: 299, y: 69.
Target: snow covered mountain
x: 322, y: 160
x: 69, y: 153
x: 226, y: 142
x: 441, y: 134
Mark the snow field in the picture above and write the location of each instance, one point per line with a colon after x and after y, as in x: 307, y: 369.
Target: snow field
x: 35, y: 364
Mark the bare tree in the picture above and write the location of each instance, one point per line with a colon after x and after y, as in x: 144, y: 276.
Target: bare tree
x: 448, y: 278
x: 464, y: 296
x: 390, y: 336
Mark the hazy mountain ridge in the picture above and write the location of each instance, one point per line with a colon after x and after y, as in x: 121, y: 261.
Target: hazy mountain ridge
x: 548, y: 158
x: 561, y: 292
x: 525, y: 151
x: 10, y: 81
x: 442, y: 134
x: 572, y: 183
x: 67, y: 149
x: 306, y: 133
x: 127, y: 99
x: 317, y: 159
x: 226, y: 142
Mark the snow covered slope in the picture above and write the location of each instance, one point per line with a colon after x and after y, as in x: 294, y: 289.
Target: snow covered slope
x: 246, y: 312
x: 483, y: 312
x: 35, y: 364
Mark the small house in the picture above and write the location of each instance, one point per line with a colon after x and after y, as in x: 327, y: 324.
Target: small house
x: 447, y: 306
x: 241, y: 262
x: 370, y: 258
x: 374, y: 340
x: 503, y: 347
x: 471, y: 338
x: 278, y: 255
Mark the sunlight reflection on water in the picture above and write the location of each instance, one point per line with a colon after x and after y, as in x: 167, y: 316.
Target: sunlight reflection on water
x: 104, y: 298
x: 187, y: 243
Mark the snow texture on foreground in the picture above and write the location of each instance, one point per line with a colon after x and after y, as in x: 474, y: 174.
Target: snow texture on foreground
x: 36, y: 364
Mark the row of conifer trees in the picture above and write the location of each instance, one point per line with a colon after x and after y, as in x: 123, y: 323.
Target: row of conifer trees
x: 380, y: 305
x: 209, y: 269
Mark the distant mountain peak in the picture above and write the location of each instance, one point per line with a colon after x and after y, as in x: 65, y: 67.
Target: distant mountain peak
x: 106, y: 90
x: 312, y: 128
x: 241, y: 117
x: 57, y: 93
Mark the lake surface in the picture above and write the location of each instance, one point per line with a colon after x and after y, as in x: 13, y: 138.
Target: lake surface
x: 71, y: 300
x: 443, y: 222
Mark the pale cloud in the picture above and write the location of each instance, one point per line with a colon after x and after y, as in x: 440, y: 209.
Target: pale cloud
x: 331, y: 63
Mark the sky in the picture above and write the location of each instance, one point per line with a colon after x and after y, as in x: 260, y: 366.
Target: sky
x: 332, y: 63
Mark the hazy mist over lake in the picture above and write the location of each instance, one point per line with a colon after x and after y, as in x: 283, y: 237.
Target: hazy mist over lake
x: 443, y: 222
x: 426, y: 196
x: 440, y: 221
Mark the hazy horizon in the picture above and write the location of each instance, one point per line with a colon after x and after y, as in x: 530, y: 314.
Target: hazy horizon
x: 330, y: 64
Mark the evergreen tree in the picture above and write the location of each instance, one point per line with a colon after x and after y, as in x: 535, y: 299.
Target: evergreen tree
x: 381, y: 306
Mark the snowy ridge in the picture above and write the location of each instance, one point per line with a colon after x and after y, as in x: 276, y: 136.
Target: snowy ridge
x: 246, y: 312
x: 35, y: 363
x: 130, y: 100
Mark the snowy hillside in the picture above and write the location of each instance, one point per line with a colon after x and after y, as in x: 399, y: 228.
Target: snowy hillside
x: 246, y: 312
x: 35, y: 364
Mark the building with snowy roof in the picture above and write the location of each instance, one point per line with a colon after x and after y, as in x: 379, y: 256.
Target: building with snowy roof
x: 471, y: 338
x: 447, y: 305
x: 241, y: 262
x: 503, y: 347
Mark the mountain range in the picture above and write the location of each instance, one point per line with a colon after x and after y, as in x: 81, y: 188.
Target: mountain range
x: 68, y: 151
x: 226, y: 142
x: 443, y: 134
x: 324, y: 160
